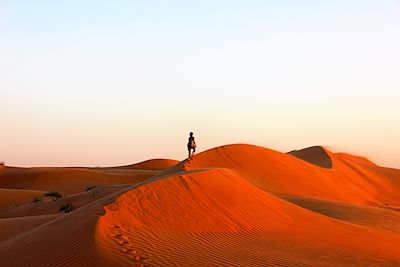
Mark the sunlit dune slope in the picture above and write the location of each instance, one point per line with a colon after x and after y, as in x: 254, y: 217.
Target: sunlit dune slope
x: 355, y: 159
x: 277, y: 172
x: 142, y: 206
x: 216, y: 217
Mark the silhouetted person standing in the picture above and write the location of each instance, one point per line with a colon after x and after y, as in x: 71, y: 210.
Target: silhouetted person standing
x: 191, y: 145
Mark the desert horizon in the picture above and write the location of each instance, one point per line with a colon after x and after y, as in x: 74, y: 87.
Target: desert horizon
x: 127, y: 163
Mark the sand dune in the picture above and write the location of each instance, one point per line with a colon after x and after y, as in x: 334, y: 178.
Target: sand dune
x: 17, y: 197
x: 225, y: 207
x: 236, y: 205
x: 218, y: 218
x: 151, y: 164
x: 68, y: 180
x: 276, y: 172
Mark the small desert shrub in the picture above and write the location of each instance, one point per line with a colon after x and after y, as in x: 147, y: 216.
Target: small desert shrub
x: 54, y: 194
x: 37, y: 199
x: 66, y: 208
x: 2, y: 163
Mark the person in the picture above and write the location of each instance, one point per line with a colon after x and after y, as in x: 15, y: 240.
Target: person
x: 191, y: 144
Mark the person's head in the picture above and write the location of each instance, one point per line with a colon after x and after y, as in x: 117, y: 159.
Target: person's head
x: 191, y: 133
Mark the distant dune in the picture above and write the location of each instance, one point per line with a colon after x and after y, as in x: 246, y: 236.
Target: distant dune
x: 74, y: 180
x: 234, y: 205
x: 16, y: 197
x: 151, y: 164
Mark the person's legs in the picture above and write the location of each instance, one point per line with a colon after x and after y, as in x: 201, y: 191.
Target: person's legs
x: 189, y: 151
x: 194, y: 150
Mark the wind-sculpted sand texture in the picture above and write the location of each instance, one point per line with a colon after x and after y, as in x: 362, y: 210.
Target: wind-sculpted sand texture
x: 243, y: 205
x: 235, y: 205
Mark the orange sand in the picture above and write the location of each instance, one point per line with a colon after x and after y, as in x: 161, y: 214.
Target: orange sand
x: 17, y: 197
x: 236, y: 205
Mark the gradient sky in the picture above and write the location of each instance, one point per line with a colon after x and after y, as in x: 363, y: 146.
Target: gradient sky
x: 101, y: 83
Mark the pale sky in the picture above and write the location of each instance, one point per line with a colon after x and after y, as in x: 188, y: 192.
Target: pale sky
x: 101, y: 83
